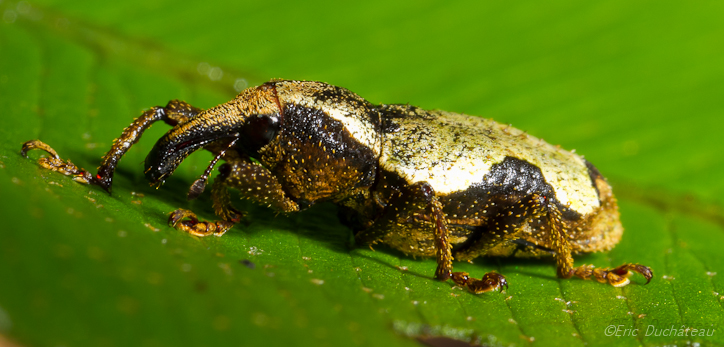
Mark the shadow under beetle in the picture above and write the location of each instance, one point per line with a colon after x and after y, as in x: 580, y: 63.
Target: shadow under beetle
x: 429, y: 183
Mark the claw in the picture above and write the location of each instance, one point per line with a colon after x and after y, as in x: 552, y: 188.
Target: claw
x: 234, y: 215
x: 625, y: 271
x: 617, y: 277
x: 37, y: 144
x: 491, y: 281
x: 55, y: 163
x: 194, y: 227
x: 503, y: 282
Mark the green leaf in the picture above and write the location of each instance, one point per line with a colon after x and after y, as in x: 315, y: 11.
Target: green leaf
x: 634, y: 86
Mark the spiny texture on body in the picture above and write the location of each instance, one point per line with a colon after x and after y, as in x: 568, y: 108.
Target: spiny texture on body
x: 455, y: 152
x: 429, y: 183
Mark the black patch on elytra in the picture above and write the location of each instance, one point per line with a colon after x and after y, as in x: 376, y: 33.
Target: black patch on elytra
x: 514, y: 177
x: 594, y: 174
x: 507, y: 183
x: 391, y: 112
x: 340, y: 96
x: 508, y: 186
x: 335, y: 94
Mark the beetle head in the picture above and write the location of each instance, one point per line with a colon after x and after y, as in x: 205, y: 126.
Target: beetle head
x: 253, y: 118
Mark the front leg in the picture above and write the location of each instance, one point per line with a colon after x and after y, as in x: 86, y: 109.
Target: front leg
x: 253, y: 181
x: 174, y: 113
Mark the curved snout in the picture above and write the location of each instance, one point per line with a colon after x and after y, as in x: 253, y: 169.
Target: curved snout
x: 184, y: 139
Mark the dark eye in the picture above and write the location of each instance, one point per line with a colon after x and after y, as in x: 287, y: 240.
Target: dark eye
x: 258, y: 131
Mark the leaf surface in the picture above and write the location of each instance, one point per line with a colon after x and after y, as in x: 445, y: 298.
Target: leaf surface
x: 633, y: 86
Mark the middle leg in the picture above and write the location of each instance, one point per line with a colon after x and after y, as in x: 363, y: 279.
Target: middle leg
x: 417, y: 205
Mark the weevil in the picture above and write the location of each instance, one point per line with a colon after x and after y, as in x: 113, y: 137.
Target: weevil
x: 428, y: 183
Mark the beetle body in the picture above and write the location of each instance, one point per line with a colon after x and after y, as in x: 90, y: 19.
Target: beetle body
x: 482, y: 172
x: 429, y: 183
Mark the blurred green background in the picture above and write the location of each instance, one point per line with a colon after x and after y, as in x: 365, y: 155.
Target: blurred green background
x: 634, y: 86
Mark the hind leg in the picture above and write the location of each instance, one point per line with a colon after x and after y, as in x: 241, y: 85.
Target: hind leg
x: 617, y: 277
